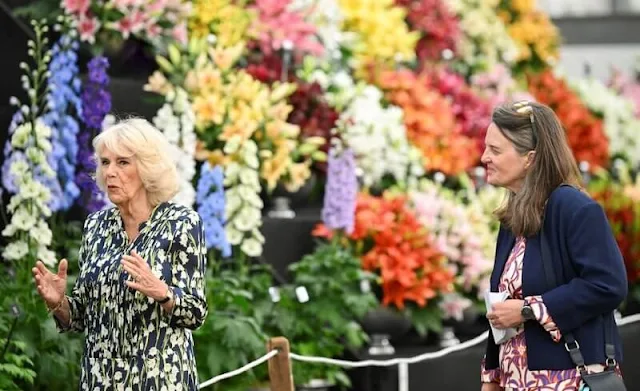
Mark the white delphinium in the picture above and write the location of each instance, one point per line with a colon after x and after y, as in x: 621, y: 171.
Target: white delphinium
x: 177, y: 121
x: 28, y: 230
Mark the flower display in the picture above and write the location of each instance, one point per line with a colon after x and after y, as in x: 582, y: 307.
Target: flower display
x: 177, y: 121
x: 535, y: 35
x: 383, y: 36
x: 241, y: 125
x: 28, y: 233
x: 96, y: 104
x: 438, y: 26
x: 411, y: 269
x: 210, y: 198
x: 341, y: 191
x: 498, y: 86
x: 626, y: 86
x: 472, y: 111
x: 327, y: 17
x: 461, y: 232
x: 229, y: 21
x: 485, y: 41
x: 585, y: 132
x: 430, y: 122
x: 620, y: 124
x: 277, y: 24
x: 156, y: 21
x: 621, y: 202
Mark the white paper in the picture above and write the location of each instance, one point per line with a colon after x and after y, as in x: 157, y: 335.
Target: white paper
x: 499, y: 335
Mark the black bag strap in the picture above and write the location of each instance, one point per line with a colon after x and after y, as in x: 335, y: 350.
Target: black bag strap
x: 572, y: 346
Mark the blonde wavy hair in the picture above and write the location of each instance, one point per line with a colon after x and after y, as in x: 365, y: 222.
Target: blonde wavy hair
x: 138, y: 139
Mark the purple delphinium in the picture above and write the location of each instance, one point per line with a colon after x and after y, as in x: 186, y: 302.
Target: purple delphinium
x: 341, y: 191
x: 211, y: 207
x: 96, y: 104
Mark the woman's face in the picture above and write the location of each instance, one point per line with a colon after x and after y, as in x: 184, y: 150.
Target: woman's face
x: 505, y: 166
x: 121, y: 178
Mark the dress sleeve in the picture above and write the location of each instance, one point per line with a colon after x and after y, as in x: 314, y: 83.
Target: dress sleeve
x: 489, y: 375
x: 543, y: 317
x: 188, y: 264
x: 78, y: 295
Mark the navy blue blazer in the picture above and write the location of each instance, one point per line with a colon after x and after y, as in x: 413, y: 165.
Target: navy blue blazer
x: 591, y: 274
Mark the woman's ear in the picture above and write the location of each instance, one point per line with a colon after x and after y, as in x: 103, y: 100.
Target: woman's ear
x: 531, y: 155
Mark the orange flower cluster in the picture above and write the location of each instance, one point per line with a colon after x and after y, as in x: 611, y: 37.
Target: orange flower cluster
x: 585, y: 132
x: 397, y: 246
x: 430, y: 121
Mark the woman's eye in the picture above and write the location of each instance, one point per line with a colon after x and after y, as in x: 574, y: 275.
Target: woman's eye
x: 123, y: 162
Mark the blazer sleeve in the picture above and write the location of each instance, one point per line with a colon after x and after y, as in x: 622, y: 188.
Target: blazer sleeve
x: 601, y: 282
x: 188, y: 263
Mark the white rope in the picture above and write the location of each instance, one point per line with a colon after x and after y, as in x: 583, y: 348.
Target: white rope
x: 393, y: 361
x: 375, y: 363
x: 238, y: 371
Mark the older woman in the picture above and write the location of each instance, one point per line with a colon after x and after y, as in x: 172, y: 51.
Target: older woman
x: 562, y: 313
x: 140, y: 290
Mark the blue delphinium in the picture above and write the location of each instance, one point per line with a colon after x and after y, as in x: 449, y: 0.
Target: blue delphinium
x: 211, y: 204
x: 96, y: 104
x: 65, y: 106
x: 341, y: 191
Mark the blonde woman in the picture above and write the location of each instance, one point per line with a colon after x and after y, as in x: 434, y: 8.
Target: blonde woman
x: 140, y: 289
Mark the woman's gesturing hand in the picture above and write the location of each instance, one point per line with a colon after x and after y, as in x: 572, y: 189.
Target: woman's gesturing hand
x: 51, y: 286
x: 144, y: 281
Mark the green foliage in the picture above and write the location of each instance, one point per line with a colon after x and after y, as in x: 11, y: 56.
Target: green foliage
x: 233, y: 335
x: 328, y: 322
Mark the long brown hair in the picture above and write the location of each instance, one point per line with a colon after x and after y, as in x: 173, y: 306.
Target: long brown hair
x: 531, y: 126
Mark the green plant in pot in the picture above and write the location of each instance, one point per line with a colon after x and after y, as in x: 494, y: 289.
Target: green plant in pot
x: 320, y: 311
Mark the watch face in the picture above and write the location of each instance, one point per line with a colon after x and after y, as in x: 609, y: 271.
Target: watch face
x: 527, y: 312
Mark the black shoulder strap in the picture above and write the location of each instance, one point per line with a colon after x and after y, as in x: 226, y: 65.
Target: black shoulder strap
x: 572, y: 346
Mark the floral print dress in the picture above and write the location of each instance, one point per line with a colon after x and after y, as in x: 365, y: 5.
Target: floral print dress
x: 131, y: 342
x: 513, y: 373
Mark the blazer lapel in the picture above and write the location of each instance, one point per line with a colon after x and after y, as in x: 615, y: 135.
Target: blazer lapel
x: 504, y: 247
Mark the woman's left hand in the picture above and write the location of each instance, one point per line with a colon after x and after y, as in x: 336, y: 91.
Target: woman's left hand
x: 144, y: 281
x: 506, y: 314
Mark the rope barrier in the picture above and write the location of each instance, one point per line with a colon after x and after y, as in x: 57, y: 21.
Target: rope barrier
x: 238, y: 371
x: 377, y: 363
x: 393, y: 361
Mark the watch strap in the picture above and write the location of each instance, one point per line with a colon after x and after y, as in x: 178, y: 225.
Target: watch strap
x: 167, y: 297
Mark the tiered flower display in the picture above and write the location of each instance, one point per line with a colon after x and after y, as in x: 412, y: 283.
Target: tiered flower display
x: 537, y: 39
x: 472, y: 111
x: 585, y: 132
x: 438, y: 26
x: 383, y: 36
x: 617, y: 112
x: 158, y: 21
x: 485, y: 41
x: 498, y: 86
x: 242, y: 125
x: 394, y: 244
x: 462, y: 233
x: 628, y: 87
x: 621, y: 202
x: 430, y: 121
x: 226, y: 20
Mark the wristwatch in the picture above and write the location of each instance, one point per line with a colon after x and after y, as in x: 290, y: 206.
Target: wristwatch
x: 168, y: 297
x: 527, y: 311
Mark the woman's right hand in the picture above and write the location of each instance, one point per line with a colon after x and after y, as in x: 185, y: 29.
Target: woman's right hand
x: 51, y: 287
x: 491, y: 387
